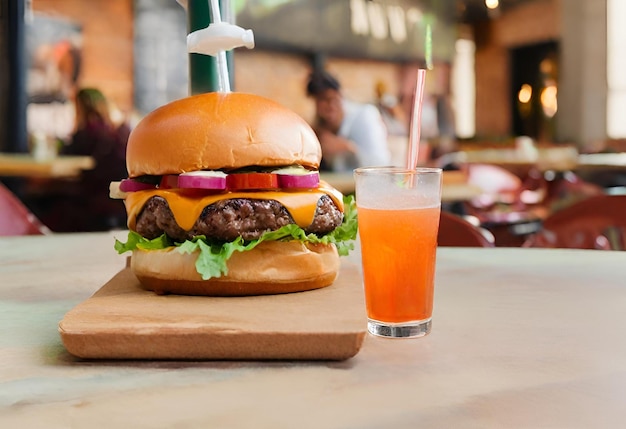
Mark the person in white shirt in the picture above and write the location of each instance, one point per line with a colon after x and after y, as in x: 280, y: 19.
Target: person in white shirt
x: 351, y: 134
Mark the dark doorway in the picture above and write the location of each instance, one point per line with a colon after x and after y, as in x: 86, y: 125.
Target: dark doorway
x: 534, y: 84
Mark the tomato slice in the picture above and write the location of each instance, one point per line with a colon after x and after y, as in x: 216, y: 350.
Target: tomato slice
x: 241, y: 181
x: 169, y: 181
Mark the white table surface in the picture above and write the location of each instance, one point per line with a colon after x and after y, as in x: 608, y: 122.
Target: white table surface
x: 522, y: 338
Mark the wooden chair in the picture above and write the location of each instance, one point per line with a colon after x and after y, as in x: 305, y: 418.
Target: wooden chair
x: 598, y: 222
x: 15, y: 218
x: 458, y: 232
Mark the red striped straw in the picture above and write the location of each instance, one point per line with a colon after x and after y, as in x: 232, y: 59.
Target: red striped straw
x: 416, y: 121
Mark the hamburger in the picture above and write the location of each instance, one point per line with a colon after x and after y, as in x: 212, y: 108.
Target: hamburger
x: 224, y: 198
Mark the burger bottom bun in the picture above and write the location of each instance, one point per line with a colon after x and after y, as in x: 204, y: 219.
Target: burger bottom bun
x: 272, y: 267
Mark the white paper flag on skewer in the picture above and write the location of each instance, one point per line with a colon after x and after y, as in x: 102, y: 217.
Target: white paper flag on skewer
x: 218, y: 38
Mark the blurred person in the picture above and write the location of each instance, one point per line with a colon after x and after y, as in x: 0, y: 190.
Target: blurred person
x: 391, y: 112
x: 351, y: 134
x: 96, y: 135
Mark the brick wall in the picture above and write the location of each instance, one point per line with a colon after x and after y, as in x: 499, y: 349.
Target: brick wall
x: 279, y: 76
x: 107, y: 52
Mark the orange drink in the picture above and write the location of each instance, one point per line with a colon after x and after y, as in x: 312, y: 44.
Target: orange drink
x: 400, y: 259
x: 398, y: 216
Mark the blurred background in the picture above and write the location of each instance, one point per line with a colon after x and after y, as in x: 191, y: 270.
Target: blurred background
x: 484, y: 53
x: 521, y: 74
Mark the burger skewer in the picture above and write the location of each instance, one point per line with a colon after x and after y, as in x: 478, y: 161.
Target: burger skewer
x: 222, y: 66
x: 216, y: 39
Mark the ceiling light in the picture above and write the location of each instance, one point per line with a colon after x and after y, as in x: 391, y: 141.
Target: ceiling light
x: 525, y: 93
x: 492, y: 4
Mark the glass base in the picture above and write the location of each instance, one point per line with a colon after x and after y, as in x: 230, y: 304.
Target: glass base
x: 399, y: 330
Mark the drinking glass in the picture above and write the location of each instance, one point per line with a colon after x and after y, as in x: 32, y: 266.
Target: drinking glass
x: 398, y: 218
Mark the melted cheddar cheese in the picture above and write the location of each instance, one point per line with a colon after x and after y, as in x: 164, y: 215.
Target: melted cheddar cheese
x: 187, y: 207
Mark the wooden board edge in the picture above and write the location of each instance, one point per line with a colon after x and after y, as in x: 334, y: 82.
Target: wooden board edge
x: 284, y: 346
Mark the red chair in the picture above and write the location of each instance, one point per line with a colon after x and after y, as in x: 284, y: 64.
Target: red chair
x: 498, y: 184
x: 598, y: 222
x: 458, y: 232
x: 15, y: 218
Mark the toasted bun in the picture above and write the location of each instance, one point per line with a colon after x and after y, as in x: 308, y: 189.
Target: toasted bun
x: 220, y: 131
x: 270, y: 268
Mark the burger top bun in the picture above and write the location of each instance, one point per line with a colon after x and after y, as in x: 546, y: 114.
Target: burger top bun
x: 220, y: 131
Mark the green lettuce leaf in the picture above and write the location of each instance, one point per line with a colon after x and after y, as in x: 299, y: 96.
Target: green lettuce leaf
x: 212, y: 257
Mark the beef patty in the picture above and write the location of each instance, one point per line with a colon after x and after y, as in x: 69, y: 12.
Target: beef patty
x: 226, y: 220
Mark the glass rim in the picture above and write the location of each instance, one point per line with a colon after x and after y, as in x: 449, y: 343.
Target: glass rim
x: 397, y: 170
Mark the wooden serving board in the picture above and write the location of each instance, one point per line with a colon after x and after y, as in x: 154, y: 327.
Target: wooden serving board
x: 123, y: 321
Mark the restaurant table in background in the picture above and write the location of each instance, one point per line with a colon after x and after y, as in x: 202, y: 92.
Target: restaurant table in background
x: 455, y: 188
x: 61, y: 166
x: 601, y: 161
x: 520, y: 162
x: 521, y: 338
x: 547, y: 179
x: 605, y: 169
x: 555, y: 158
